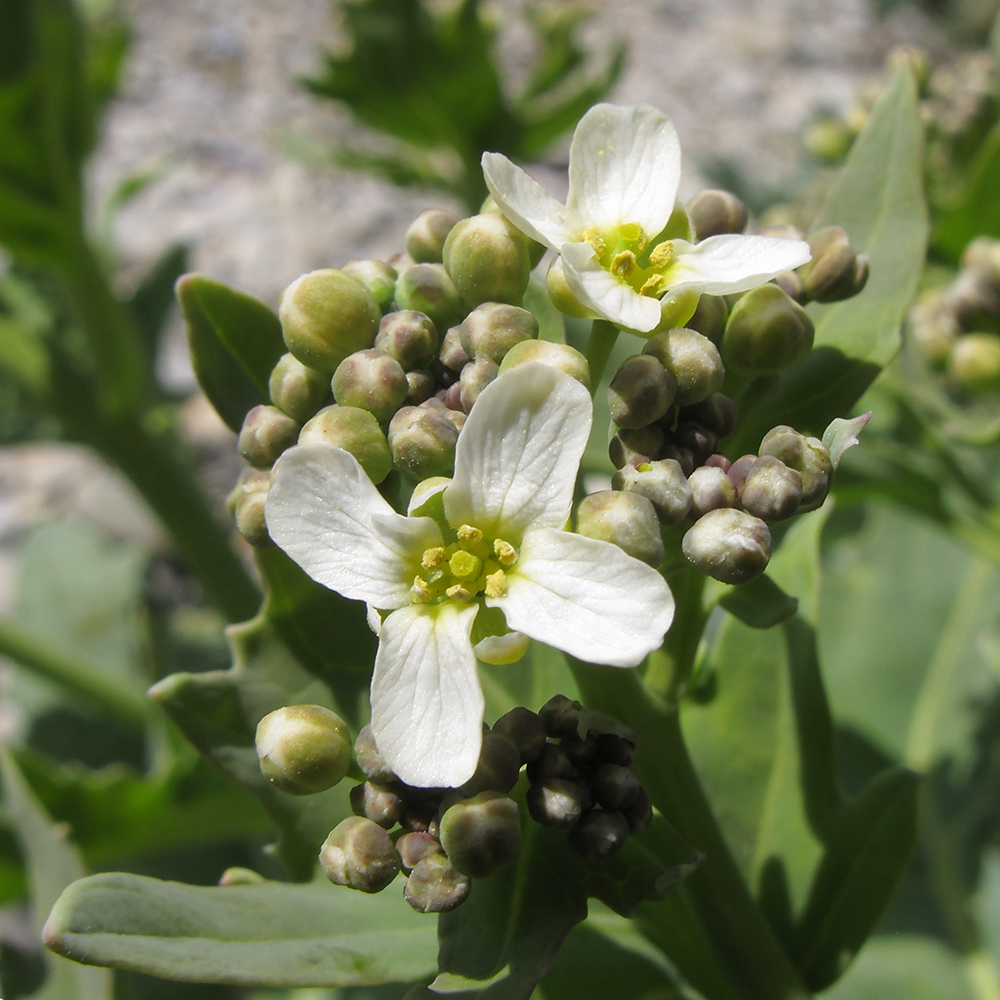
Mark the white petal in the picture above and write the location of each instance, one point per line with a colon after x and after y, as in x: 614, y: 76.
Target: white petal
x: 599, y: 290
x: 427, y: 705
x: 722, y: 265
x: 624, y: 166
x: 587, y: 598
x: 527, y: 204
x: 325, y: 513
x: 519, y: 452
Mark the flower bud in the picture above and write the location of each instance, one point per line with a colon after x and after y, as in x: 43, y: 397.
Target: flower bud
x: 615, y: 749
x: 414, y: 847
x: 436, y: 886
x: 297, y: 390
x: 452, y: 396
x: 581, y: 751
x: 246, y: 503
x: 303, y: 749
x: 378, y: 276
x: 639, y: 813
x: 983, y: 255
x: 717, y: 413
x: 767, y: 332
x: 561, y: 294
x: 359, y: 854
x: 599, y: 835
x: 422, y: 442
x: 427, y: 233
x: 380, y: 805
x: 791, y: 284
x: 711, y: 489
x: 240, y: 876
x: 493, y: 328
x: 427, y: 288
x: 698, y: 440
x: 355, y: 430
x: 372, y: 381
x: 772, y: 491
x: 632, y: 447
x: 640, y: 392
x: 265, y: 434
x: 556, y: 802
x: 552, y: 762
x: 738, y: 470
x: 729, y: 545
x: 714, y: 213
x: 808, y: 456
x: 452, y: 354
x: 662, y: 483
x: 974, y: 362
x: 561, y: 717
x: 326, y: 315
x: 710, y: 317
x: 481, y: 834
x: 933, y: 326
x: 419, y: 387
x: 498, y: 768
x: 487, y: 258
x: 408, y: 336
x: 835, y: 272
x: 372, y: 765
x: 476, y: 377
x: 627, y: 520
x: 524, y: 729
x: 561, y: 356
x: 615, y: 787
x: 692, y: 359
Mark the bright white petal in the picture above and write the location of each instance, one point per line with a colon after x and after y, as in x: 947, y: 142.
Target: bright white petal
x: 624, y: 166
x: 600, y: 291
x: 325, y: 513
x: 519, y: 452
x: 722, y: 265
x: 527, y: 204
x: 427, y: 705
x: 587, y: 598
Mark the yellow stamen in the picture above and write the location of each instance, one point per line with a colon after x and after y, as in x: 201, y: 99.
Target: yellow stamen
x: 662, y: 255
x: 432, y: 558
x: 496, y: 584
x: 596, y: 240
x: 421, y: 590
x: 460, y: 592
x: 505, y: 552
x: 624, y: 264
x: 469, y: 535
x: 644, y: 467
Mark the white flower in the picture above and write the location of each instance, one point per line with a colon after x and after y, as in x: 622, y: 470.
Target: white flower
x: 498, y: 543
x: 624, y: 168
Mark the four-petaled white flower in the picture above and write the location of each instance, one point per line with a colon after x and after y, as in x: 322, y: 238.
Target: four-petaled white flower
x: 624, y: 168
x: 499, y: 542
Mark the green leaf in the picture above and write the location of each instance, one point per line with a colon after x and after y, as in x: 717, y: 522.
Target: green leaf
x: 235, y: 341
x: 269, y: 934
x: 877, y: 197
x: 761, y: 603
x: 52, y: 864
x: 153, y: 299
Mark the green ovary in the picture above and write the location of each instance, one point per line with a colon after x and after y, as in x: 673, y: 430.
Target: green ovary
x: 625, y: 252
x: 462, y: 571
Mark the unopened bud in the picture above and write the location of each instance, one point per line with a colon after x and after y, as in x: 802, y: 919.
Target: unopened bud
x: 692, y: 359
x: 561, y: 356
x: 790, y: 283
x: 303, y: 749
x: 729, y: 545
x: 709, y: 318
x: 428, y: 289
x: 413, y: 847
x: 974, y: 362
x: 372, y: 381
x: 836, y: 271
x: 561, y: 717
x: 265, y: 434
x: 427, y: 233
x: 972, y: 300
x: 240, y: 876
x: 488, y: 260
x: 452, y: 354
x: 408, y: 336
x: 983, y: 255
x: 615, y: 787
x: 380, y: 278
x: 698, y: 440
x: 640, y: 392
x: 246, y: 503
x: 615, y: 749
x: 555, y: 802
x: 354, y: 430
x: 599, y: 835
x: 561, y: 294
x: 419, y: 387
x: 739, y: 469
x: 632, y: 447
x: 359, y: 854
x: 370, y: 760
x: 476, y: 377
x: 326, y: 315
x: 627, y: 520
x: 772, y: 491
x: 767, y: 332
x: 662, y: 483
x: 713, y: 213
x: 493, y: 328
x: 717, y: 413
x: 933, y: 326
x: 481, y: 834
x: 436, y: 886
x: 808, y: 456
x: 297, y: 390
x: 711, y: 489
x: 524, y: 729
x: 639, y: 813
x: 498, y: 768
x: 422, y: 442
x: 380, y: 805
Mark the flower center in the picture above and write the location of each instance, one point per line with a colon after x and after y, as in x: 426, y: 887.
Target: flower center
x: 470, y: 566
x: 625, y: 252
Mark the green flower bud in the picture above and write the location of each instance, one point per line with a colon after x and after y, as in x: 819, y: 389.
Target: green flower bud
x: 419, y: 387
x: 662, y: 483
x: 639, y: 813
x: 427, y: 288
x: 372, y: 381
x: 567, y: 359
x: 487, y: 259
x: 615, y: 787
x: 599, y: 835
x: 772, y: 491
x: 408, y: 336
x: 627, y: 520
x: 640, y: 392
x: 355, y: 430
x: 427, y: 233
x: 240, y: 876
x: 729, y: 545
x: 552, y: 762
x: 493, y: 328
x: 452, y: 354
x: 972, y: 301
x: 303, y: 749
x: 422, y: 442
x: 829, y: 139
x: 378, y: 276
x: 692, y: 359
x: 835, y: 272
x: 767, y: 332
x: 711, y: 489
x: 556, y: 802
x: 524, y: 729
x: 634, y: 447
x: 413, y: 847
x: 380, y: 805
x: 359, y: 854
x: 790, y: 283
x: 974, y: 362
x: 713, y: 213
x: 246, y: 503
x: 476, y: 377
x: 717, y: 414
x: 326, y: 315
x: 498, y: 768
x: 808, y: 456
x: 561, y: 294
x: 435, y: 886
x: 481, y: 834
x: 561, y: 716
x: 366, y: 753
x: 297, y: 390
x: 933, y: 326
x: 710, y: 317
x: 265, y: 434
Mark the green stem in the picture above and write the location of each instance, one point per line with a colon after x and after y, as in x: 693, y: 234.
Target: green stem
x: 670, y: 668
x: 602, y: 340
x: 117, y: 698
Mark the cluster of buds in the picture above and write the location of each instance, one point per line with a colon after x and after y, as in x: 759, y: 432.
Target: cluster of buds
x: 386, y: 360
x: 957, y: 328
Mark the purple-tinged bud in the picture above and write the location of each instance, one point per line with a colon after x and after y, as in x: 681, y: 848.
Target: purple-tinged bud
x: 615, y: 787
x: 633, y: 447
x: 717, y: 413
x: 355, y: 430
x: 246, y: 503
x: 452, y: 354
x: 599, y: 835
x: 767, y: 332
x: 561, y: 718
x: 380, y: 278
x: 427, y: 233
x: 711, y: 489
x: 627, y: 520
x: 791, y: 284
x: 303, y: 749
x: 808, y: 456
x: 498, y: 768
x: 475, y: 377
x: 493, y: 328
x: 453, y: 395
x: 552, y: 762
x: 297, y: 390
x: 738, y: 470
x: 359, y: 854
x: 419, y: 387
x: 436, y: 886
x: 718, y: 462
x: 836, y: 271
x: 974, y: 362
x: 714, y: 213
x: 615, y: 749
x: 524, y: 729
x: 710, y: 317
x: 380, y: 805
x: 370, y: 380
x: 413, y: 847
x: 729, y: 545
x: 692, y: 359
x: 265, y: 434
x: 641, y: 392
x: 662, y: 483
x: 561, y: 356
x: 697, y: 439
x: 684, y: 457
x: 772, y: 491
x: 408, y: 336
x: 555, y: 802
x: 422, y: 442
x: 481, y: 834
x: 488, y: 260
x: 371, y: 762
x: 427, y: 288
x: 639, y: 813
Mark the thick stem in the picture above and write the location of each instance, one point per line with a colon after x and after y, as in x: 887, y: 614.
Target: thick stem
x: 602, y: 340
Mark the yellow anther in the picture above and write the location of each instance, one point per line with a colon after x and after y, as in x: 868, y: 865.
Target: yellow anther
x: 496, y: 584
x: 662, y: 255
x: 432, y: 558
x: 624, y: 264
x: 644, y: 467
x: 465, y: 566
x: 469, y: 535
x: 505, y: 552
x: 654, y: 286
x: 596, y: 240
x: 460, y: 592
x: 421, y: 590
